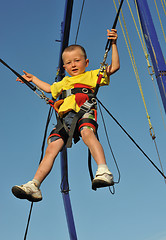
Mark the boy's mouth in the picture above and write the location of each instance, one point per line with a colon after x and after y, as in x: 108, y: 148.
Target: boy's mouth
x: 74, y: 70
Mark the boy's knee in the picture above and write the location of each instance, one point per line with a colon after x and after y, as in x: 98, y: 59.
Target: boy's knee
x: 55, y: 146
x: 87, y: 134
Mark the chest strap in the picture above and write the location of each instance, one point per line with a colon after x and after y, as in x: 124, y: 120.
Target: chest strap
x: 69, y: 92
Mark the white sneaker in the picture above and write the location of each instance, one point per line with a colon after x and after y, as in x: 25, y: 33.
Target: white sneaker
x: 27, y: 191
x: 103, y: 178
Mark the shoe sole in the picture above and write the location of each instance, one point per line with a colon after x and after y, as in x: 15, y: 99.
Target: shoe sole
x: 21, y: 194
x: 98, y: 183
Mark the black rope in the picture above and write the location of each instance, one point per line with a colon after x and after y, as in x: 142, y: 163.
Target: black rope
x: 159, y: 158
x: 89, y: 155
x: 107, y: 49
x: 90, y: 165
x: 108, y: 141
x: 41, y: 157
x: 109, y: 41
x: 29, y: 217
x: 31, y: 86
x: 109, y: 144
x: 79, y: 21
x: 131, y: 139
x: 51, y: 110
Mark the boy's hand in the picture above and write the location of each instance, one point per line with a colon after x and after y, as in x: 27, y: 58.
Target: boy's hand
x: 112, y: 35
x: 115, y: 64
x: 27, y: 76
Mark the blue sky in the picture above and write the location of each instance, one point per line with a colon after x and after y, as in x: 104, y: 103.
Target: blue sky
x: 28, y: 32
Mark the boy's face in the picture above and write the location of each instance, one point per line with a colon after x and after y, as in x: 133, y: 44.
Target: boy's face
x: 75, y: 62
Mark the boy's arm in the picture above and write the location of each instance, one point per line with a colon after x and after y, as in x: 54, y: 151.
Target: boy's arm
x: 115, y: 64
x: 31, y: 78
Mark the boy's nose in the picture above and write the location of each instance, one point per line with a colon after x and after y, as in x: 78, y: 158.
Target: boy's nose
x: 73, y: 64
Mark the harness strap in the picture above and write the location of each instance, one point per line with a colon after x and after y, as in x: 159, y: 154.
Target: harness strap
x: 87, y: 122
x: 73, y: 126
x: 86, y: 107
x: 61, y: 130
x: 69, y: 92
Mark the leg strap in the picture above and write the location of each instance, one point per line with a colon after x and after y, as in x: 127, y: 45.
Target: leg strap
x: 73, y: 127
x: 87, y: 122
x: 60, y: 130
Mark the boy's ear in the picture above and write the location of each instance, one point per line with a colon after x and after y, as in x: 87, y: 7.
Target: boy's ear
x: 64, y: 67
x: 87, y: 62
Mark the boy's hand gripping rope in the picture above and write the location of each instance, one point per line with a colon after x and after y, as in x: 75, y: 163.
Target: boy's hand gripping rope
x: 107, y: 49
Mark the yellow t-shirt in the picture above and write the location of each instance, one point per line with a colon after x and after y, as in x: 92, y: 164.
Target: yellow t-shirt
x: 88, y: 78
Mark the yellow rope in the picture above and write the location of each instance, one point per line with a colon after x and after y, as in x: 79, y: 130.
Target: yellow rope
x: 148, y: 63
x: 160, y: 20
x: 163, y: 6
x: 129, y: 47
x: 142, y: 40
x: 128, y: 44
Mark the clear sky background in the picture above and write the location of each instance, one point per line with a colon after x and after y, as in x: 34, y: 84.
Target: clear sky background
x: 28, y: 30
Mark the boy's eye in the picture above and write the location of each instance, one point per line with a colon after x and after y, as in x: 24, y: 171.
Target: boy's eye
x: 77, y: 60
x: 68, y: 63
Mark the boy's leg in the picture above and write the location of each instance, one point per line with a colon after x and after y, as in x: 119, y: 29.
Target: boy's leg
x: 103, y: 176
x: 94, y: 145
x: 46, y: 164
x: 30, y: 190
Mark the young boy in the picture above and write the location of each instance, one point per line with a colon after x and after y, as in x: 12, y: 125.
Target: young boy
x: 75, y: 63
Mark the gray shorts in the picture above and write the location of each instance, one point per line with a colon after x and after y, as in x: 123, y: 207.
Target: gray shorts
x: 68, y: 118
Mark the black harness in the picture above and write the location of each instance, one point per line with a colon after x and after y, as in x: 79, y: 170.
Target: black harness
x: 69, y: 92
x: 62, y: 129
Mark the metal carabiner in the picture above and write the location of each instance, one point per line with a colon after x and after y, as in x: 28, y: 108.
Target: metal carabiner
x: 41, y: 95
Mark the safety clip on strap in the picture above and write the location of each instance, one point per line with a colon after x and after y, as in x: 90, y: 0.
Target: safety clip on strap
x: 103, y: 64
x: 41, y: 95
x: 87, y: 106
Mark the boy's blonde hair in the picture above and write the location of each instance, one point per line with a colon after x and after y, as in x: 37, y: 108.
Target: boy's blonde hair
x: 73, y: 47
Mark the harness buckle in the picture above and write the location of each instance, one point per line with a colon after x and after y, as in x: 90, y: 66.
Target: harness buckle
x: 68, y: 92
x: 88, y: 105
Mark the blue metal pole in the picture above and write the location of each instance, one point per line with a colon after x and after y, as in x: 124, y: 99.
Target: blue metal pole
x: 153, y: 47
x: 65, y: 195
x: 65, y: 31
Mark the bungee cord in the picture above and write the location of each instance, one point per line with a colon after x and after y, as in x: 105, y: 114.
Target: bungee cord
x: 131, y: 138
x: 34, y: 88
x: 28, y: 221
x: 132, y: 58
x: 31, y: 86
x: 41, y: 157
x: 78, y: 28
x: 109, y: 145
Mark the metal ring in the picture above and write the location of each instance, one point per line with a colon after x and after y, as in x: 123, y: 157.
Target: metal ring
x: 94, y: 100
x: 85, y: 90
